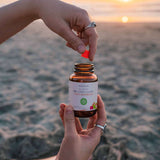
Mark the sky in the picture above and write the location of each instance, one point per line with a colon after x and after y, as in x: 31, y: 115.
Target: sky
x: 121, y: 10
x: 117, y: 10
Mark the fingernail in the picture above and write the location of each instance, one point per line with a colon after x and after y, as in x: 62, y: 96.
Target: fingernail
x: 62, y: 106
x: 91, y: 59
x: 81, y: 48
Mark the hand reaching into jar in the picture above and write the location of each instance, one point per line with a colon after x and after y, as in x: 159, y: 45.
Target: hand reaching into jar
x: 62, y: 18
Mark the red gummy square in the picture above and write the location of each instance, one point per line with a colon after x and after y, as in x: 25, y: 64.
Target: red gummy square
x: 85, y: 54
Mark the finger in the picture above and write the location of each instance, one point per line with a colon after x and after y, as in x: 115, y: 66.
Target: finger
x: 84, y: 38
x: 92, y: 121
x: 85, y: 41
x: 69, y: 45
x: 101, y: 113
x: 72, y: 38
x: 61, y: 112
x: 77, y: 121
x: 92, y: 35
x: 62, y: 106
x: 78, y: 125
x: 69, y: 121
x: 101, y: 118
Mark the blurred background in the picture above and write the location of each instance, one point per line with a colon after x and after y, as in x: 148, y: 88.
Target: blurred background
x: 121, y: 10
x: 35, y: 66
x: 117, y: 10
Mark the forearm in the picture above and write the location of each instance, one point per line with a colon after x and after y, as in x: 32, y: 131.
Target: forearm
x: 15, y: 17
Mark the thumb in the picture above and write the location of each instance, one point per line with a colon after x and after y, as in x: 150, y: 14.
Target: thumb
x: 69, y: 121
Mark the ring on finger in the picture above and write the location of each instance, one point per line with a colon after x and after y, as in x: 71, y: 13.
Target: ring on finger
x: 91, y: 25
x: 101, y: 127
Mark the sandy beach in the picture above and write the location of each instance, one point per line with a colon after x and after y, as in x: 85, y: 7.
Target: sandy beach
x: 35, y: 66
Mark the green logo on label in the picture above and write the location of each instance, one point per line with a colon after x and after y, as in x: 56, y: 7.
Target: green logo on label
x: 83, y: 101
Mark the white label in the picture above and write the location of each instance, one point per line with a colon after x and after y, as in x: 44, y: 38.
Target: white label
x: 83, y: 96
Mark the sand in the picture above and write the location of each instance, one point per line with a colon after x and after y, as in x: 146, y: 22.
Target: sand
x: 34, y: 69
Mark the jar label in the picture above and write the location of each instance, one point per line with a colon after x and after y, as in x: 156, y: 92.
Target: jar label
x: 83, y: 96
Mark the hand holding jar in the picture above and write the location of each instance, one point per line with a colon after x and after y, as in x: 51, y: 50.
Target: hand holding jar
x: 78, y: 144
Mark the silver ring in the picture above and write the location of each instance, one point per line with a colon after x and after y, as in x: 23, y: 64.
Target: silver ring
x: 101, y: 127
x: 91, y: 25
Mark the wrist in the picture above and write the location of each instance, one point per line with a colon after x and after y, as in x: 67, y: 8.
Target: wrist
x: 43, y: 8
x: 32, y: 10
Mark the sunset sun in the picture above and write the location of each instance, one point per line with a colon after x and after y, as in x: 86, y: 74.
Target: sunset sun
x: 126, y: 0
x: 125, y: 19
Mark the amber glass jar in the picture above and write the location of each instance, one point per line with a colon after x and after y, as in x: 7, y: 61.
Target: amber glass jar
x: 83, y: 88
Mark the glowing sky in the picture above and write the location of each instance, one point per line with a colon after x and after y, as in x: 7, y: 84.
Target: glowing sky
x: 115, y: 10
